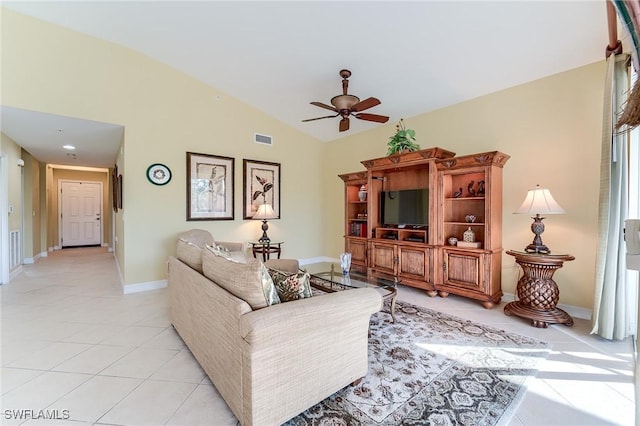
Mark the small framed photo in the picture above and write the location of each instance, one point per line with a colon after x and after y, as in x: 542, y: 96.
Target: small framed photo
x: 209, y: 187
x: 261, y: 184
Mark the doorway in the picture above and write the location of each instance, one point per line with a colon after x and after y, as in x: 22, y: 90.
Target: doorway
x: 80, y: 206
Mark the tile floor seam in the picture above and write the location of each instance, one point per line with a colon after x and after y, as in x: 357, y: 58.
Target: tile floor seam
x: 181, y: 404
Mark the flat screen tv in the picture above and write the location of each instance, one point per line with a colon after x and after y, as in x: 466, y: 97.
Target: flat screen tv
x: 405, y: 207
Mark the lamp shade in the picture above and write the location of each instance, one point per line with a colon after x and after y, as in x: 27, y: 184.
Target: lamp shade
x: 540, y: 201
x: 265, y: 211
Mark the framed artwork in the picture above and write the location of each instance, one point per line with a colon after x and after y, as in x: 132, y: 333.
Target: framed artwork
x: 209, y: 187
x: 120, y: 191
x: 114, y: 187
x: 261, y: 184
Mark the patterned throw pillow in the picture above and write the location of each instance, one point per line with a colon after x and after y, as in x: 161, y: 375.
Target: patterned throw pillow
x: 291, y: 286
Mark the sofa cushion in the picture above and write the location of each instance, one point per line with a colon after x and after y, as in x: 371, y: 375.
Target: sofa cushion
x: 291, y: 286
x: 189, y: 247
x: 248, y: 281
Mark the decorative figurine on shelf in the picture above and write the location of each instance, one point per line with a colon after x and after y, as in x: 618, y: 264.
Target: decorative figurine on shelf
x: 362, y: 194
x: 472, y: 192
x: 480, y: 191
x: 453, y: 241
x: 470, y: 218
x: 458, y: 193
x: 469, y: 236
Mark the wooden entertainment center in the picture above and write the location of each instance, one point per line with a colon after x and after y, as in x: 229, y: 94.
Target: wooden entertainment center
x: 464, y: 194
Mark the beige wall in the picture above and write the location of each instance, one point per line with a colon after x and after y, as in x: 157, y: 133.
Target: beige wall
x: 165, y: 114
x: 551, y: 128
x: 32, y: 229
x: 12, y: 151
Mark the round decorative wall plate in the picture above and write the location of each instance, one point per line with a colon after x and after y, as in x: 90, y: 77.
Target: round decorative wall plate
x: 158, y: 174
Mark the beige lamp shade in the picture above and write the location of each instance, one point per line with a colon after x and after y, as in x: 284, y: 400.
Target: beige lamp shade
x: 265, y: 211
x: 540, y: 201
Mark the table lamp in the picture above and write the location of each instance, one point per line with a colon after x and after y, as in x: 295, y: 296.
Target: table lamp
x: 265, y: 211
x: 539, y: 202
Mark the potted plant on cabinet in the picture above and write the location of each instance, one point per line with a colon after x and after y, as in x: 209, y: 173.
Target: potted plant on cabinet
x: 403, y: 140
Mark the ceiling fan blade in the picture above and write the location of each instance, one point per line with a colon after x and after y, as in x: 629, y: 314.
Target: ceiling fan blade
x: 325, y: 106
x: 320, y: 118
x: 366, y: 104
x: 372, y: 117
x: 344, y: 124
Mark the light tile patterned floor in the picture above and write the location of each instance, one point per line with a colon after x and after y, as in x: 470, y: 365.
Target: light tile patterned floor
x: 71, y: 341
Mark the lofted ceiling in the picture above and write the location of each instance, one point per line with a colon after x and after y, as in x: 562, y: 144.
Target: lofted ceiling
x: 278, y: 56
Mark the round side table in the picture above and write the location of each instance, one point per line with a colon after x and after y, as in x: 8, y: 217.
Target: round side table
x: 538, y: 293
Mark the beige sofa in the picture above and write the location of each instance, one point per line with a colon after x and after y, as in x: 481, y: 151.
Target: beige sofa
x: 269, y: 364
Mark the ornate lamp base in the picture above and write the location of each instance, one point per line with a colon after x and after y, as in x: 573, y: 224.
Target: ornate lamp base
x: 264, y: 239
x: 537, y: 227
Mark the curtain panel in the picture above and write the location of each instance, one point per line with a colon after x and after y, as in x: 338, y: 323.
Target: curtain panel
x: 612, y: 305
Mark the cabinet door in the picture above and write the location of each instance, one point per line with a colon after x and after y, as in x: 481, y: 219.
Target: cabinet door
x: 464, y: 269
x: 413, y: 262
x: 358, y: 249
x: 383, y: 257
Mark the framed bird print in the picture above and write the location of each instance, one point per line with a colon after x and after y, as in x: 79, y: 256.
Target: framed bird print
x: 261, y: 184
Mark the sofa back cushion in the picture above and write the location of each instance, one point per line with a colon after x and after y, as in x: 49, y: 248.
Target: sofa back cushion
x: 248, y: 281
x: 189, y: 247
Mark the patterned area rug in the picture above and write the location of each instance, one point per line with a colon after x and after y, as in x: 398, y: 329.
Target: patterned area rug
x: 433, y: 368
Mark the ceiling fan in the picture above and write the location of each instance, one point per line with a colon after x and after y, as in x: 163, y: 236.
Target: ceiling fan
x: 346, y: 105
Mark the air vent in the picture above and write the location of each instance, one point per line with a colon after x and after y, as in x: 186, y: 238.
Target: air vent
x: 263, y: 139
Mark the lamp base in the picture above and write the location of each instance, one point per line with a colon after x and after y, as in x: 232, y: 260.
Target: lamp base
x: 264, y: 239
x: 537, y: 248
x: 537, y: 227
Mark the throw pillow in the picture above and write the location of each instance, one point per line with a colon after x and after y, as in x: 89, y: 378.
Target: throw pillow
x: 291, y: 286
x: 248, y: 281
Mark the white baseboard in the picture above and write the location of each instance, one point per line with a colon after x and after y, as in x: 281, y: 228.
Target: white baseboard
x: 17, y: 271
x: 44, y: 254
x: 140, y: 287
x: 574, y: 311
x: 32, y: 260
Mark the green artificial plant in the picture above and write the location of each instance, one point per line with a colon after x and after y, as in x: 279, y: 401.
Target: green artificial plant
x: 403, y: 140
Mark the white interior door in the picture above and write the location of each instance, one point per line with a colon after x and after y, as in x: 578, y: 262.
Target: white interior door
x: 81, y: 204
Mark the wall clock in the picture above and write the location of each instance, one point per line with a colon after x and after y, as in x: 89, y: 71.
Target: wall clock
x: 158, y: 174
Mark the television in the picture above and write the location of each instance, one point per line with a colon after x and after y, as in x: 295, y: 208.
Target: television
x: 405, y: 207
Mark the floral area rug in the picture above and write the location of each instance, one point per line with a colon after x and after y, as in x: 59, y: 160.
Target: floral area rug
x: 430, y: 368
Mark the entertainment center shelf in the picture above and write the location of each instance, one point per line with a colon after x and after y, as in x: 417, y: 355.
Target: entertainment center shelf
x: 400, y: 234
x: 446, y: 198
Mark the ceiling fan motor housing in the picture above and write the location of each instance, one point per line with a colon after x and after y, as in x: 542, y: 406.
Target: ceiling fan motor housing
x: 345, y: 105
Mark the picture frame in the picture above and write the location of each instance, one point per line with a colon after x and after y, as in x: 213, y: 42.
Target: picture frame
x: 261, y: 184
x: 209, y: 187
x: 114, y: 188
x: 120, y: 191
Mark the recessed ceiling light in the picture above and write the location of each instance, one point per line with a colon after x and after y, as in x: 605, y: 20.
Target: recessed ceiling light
x: 69, y: 147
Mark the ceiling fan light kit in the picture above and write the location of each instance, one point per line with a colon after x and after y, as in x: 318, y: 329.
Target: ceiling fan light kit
x: 346, y: 105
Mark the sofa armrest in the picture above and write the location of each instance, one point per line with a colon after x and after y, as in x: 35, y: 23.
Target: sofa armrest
x: 284, y: 265
x: 297, y: 353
